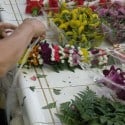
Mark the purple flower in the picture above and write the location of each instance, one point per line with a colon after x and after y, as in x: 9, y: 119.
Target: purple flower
x: 115, y: 75
x: 106, y: 72
x: 102, y: 11
x: 46, y: 52
x: 76, y: 59
x: 95, y: 51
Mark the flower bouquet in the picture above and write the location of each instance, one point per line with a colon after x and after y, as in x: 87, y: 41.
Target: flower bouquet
x: 113, y: 18
x: 78, y: 26
x: 67, y: 57
x: 59, y: 57
x: 114, y: 78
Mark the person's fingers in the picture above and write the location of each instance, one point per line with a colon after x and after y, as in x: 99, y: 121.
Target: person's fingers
x: 7, y: 33
x: 4, y: 34
x: 43, y: 36
x: 8, y: 26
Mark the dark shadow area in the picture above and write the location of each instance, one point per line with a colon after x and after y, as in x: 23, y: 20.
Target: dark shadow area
x: 3, y: 118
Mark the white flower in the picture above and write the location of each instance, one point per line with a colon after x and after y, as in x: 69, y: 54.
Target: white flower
x: 52, y: 59
x: 71, y: 64
x: 72, y: 47
x: 38, y: 56
x: 67, y: 45
x: 52, y: 54
x: 39, y: 48
x: 32, y: 60
x: 100, y: 63
x: 105, y: 61
x: 40, y: 61
x: 63, y: 53
x: 118, y: 71
x: 80, y: 52
x: 79, y: 48
x: 50, y: 46
x: 70, y: 58
x: 33, y: 55
x: 105, y: 57
x: 71, y: 51
x: 100, y: 58
x: 62, y: 61
x: 61, y: 48
x: 69, y: 61
x: 60, y: 51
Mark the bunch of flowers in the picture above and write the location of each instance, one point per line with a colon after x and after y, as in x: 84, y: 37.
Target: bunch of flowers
x: 115, y: 74
x: 114, y: 78
x: 80, y: 27
x: 68, y: 56
x: 113, y: 16
x: 99, y: 57
x: 57, y: 56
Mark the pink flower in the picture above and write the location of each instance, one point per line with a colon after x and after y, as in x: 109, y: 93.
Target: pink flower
x: 56, y: 54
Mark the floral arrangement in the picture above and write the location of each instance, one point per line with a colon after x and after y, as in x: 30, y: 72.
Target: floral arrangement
x: 99, y: 57
x: 80, y: 27
x: 57, y: 56
x: 114, y: 78
x: 66, y: 57
x: 113, y: 16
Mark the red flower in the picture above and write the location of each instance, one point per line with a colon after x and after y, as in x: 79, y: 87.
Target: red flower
x: 80, y: 2
x: 56, y: 54
x: 34, y: 6
x: 93, y: 7
x: 53, y: 4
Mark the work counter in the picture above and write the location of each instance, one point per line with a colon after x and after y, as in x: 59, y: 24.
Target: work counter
x: 38, y: 87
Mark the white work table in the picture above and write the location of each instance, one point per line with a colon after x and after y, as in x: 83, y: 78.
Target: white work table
x: 70, y: 83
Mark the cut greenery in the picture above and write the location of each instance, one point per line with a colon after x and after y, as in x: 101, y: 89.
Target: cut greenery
x: 57, y: 91
x: 50, y: 106
x: 88, y: 109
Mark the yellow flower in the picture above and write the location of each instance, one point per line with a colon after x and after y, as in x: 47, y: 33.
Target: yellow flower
x: 85, y: 55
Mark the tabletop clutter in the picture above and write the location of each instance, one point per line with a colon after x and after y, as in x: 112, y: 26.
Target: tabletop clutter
x: 81, y: 27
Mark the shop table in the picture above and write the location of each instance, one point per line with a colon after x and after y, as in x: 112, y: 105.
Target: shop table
x: 36, y: 92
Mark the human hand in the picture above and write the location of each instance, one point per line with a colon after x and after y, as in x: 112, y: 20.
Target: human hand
x: 38, y: 27
x: 6, y: 28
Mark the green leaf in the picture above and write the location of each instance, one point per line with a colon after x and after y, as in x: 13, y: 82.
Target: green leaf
x: 117, y: 123
x: 89, y: 109
x: 94, y: 122
x: 109, y: 122
x: 41, y: 76
x: 23, y: 101
x: 56, y: 69
x: 103, y: 119
x: 111, y: 60
x: 56, y: 91
x: 32, y: 88
x: 50, y: 105
x: 24, y: 72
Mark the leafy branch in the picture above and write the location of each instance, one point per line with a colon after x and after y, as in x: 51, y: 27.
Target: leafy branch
x: 88, y: 109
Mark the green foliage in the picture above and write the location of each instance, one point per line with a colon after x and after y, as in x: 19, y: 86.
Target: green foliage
x: 50, y: 106
x: 41, y: 76
x: 32, y: 88
x: 88, y: 109
x: 57, y: 91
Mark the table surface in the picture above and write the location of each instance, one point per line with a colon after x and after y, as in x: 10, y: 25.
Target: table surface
x: 69, y: 83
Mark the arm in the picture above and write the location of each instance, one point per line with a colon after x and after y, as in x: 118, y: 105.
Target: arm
x: 13, y: 46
